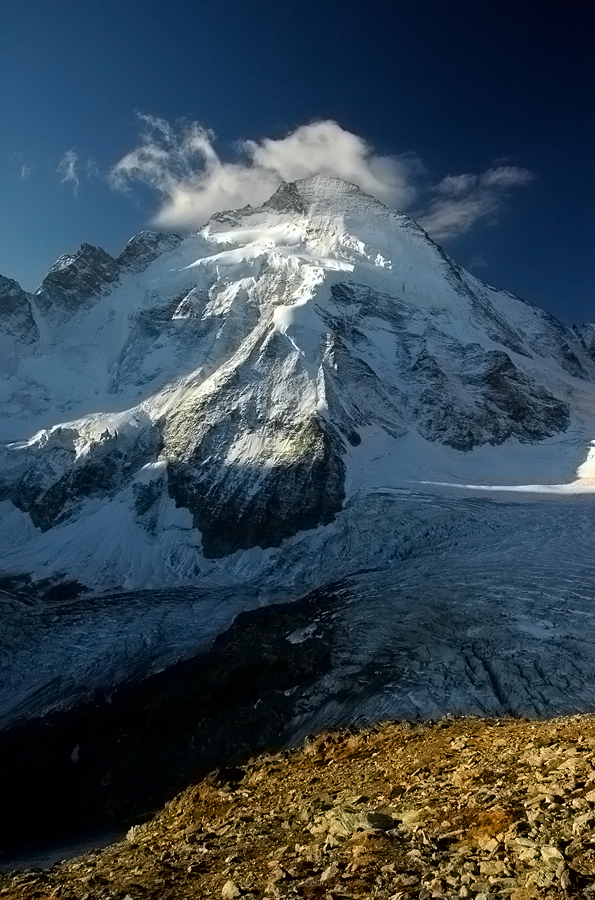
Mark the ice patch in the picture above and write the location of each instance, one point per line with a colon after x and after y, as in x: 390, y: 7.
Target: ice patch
x: 583, y: 484
x: 302, y: 634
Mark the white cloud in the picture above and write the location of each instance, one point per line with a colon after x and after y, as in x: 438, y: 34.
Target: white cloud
x: 461, y: 201
x: 324, y: 148
x: 25, y: 171
x: 192, y: 180
x: 68, y: 170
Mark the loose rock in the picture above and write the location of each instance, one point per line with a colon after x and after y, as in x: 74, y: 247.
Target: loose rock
x: 469, y: 808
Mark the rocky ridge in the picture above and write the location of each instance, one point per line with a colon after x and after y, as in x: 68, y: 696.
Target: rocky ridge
x: 457, y: 808
x: 144, y: 247
x: 77, y: 279
x: 16, y: 312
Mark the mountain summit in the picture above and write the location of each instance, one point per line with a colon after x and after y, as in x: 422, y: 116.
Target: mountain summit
x: 193, y: 405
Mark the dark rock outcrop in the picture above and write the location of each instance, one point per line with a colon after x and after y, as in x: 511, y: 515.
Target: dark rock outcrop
x: 75, y: 279
x: 57, y: 483
x: 497, y: 401
x: 286, y: 199
x: 16, y: 315
x: 238, y: 507
x: 144, y: 247
x: 461, y: 395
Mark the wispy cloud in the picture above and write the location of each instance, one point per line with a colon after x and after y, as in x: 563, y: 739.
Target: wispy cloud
x: 92, y: 170
x: 68, y: 169
x: 73, y: 170
x: 477, y: 262
x: 461, y: 201
x: 181, y: 163
x: 18, y: 161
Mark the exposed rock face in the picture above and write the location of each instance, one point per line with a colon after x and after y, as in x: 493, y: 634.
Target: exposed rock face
x: 53, y: 488
x: 555, y: 340
x: 144, y: 247
x: 236, y: 507
x: 16, y: 316
x: 506, y: 402
x: 461, y: 395
x: 287, y: 198
x: 75, y: 279
x: 586, y: 334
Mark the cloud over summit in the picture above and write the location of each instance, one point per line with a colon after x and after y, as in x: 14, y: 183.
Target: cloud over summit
x: 192, y: 180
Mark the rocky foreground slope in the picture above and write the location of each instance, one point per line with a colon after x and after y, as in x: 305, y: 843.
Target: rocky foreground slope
x: 455, y: 808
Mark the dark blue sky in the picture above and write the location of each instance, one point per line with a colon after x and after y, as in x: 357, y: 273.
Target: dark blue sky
x: 464, y: 84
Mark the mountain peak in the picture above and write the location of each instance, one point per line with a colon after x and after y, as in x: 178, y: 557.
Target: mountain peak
x: 286, y: 199
x: 75, y: 278
x: 322, y: 194
x: 235, y: 394
x: 144, y: 247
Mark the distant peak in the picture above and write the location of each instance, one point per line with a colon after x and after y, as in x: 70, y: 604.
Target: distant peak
x: 144, y: 247
x: 74, y: 278
x: 16, y: 316
x: 9, y: 286
x: 91, y: 250
x: 86, y: 255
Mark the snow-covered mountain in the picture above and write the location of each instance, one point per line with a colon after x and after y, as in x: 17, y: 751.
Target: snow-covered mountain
x: 303, y: 455
x: 199, y: 406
